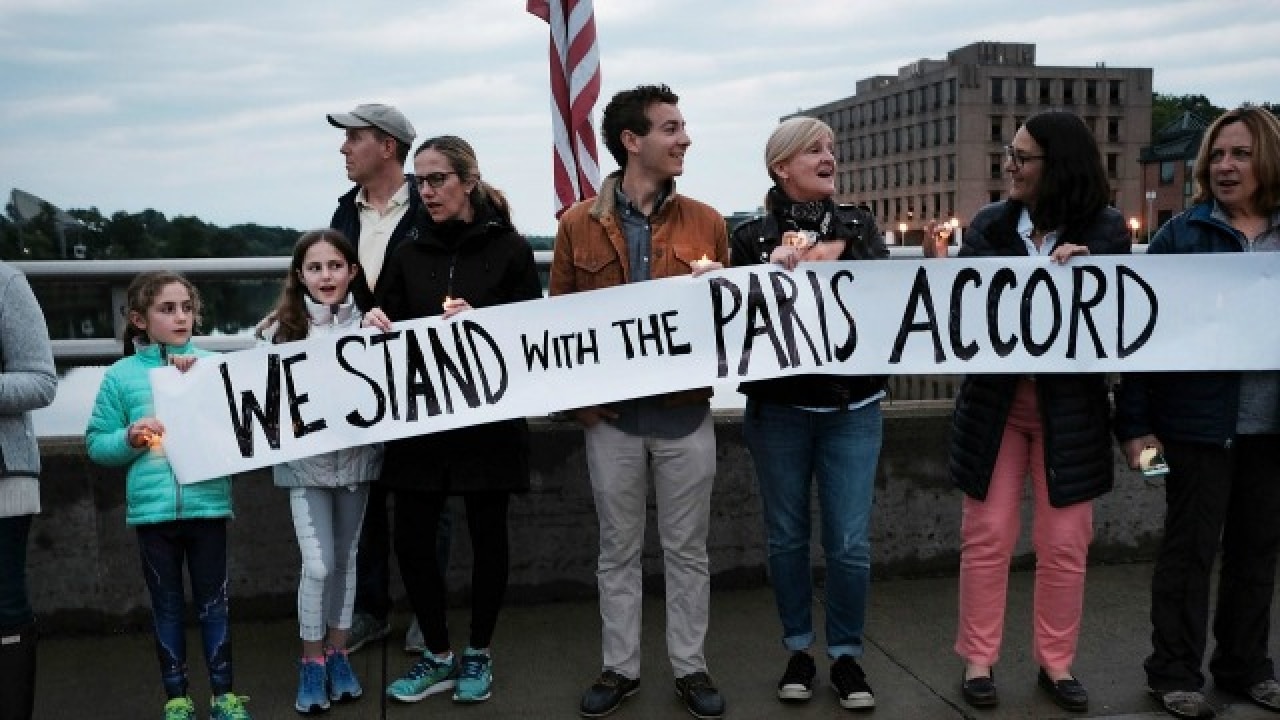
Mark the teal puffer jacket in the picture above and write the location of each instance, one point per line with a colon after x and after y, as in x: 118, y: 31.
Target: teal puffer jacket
x: 152, y: 492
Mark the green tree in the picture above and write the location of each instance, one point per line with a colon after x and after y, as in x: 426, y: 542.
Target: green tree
x: 1165, y: 109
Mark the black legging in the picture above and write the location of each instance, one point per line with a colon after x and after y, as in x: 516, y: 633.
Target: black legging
x: 424, y: 578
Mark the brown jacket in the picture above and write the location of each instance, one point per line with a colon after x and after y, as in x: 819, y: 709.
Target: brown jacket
x: 591, y: 250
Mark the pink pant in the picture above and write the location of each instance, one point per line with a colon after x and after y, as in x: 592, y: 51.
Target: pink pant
x: 989, y: 532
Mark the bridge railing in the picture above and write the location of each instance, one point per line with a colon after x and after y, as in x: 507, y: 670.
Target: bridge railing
x: 49, y: 277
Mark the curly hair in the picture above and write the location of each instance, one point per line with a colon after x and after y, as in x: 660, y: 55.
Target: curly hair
x: 626, y: 111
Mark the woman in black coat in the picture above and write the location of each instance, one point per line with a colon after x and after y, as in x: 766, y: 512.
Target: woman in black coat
x: 468, y: 256
x: 1054, y: 427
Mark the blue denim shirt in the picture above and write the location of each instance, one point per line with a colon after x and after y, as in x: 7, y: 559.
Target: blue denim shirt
x: 648, y: 416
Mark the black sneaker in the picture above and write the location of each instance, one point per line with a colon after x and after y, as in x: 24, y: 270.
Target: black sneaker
x: 796, y: 684
x: 701, y: 697
x: 850, y: 684
x: 606, y: 694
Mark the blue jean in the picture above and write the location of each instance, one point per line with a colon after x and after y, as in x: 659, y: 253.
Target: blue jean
x: 791, y: 447
x: 202, y: 546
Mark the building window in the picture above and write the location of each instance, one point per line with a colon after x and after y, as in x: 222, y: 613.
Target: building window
x: 993, y: 196
x: 1113, y: 92
x: 1020, y: 91
x: 937, y: 202
x: 951, y: 203
x: 1166, y: 172
x: 1113, y: 165
x: 1092, y: 123
x: 897, y: 175
x: 1163, y: 217
x: 951, y: 129
x: 1113, y: 129
x: 937, y: 132
x: 1068, y: 91
x: 997, y: 91
x: 951, y: 91
x: 911, y: 101
x: 997, y: 129
x: 937, y: 169
x: 1046, y: 94
x: 997, y: 166
x: 1091, y: 92
x: 937, y: 95
x: 1018, y: 121
x: 911, y: 174
x: 897, y: 140
x: 951, y: 167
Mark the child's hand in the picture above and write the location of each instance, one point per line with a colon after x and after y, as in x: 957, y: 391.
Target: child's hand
x: 376, y: 318
x: 144, y: 432
x: 182, y: 362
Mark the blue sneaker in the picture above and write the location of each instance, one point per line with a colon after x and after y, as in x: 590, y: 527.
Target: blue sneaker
x: 343, y: 685
x: 313, y: 697
x: 228, y: 706
x: 428, y: 676
x: 475, y: 677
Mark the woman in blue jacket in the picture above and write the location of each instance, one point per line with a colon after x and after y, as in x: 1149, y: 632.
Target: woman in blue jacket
x: 1220, y: 435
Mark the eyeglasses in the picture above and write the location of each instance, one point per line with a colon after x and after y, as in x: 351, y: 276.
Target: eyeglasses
x: 1017, y: 158
x: 433, y: 180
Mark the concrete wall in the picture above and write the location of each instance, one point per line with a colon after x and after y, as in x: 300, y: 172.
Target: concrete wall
x: 84, y: 572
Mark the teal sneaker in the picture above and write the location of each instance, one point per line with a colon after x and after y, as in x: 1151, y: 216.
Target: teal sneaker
x: 428, y: 676
x: 180, y: 708
x: 228, y: 706
x: 475, y: 677
x: 313, y: 695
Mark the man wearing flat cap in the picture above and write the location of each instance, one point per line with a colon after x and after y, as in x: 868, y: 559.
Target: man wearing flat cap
x: 378, y: 213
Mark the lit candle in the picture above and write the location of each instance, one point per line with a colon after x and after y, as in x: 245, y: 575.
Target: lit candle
x: 702, y: 264
x: 445, y: 304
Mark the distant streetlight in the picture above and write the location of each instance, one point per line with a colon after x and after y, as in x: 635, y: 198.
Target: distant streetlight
x: 1151, y: 199
x: 1134, y: 224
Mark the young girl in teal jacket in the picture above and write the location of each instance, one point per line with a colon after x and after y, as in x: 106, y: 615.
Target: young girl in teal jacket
x: 176, y: 524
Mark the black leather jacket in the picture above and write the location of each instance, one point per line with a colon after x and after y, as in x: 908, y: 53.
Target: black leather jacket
x: 751, y: 243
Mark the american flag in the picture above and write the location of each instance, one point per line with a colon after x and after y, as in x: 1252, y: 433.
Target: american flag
x: 575, y: 87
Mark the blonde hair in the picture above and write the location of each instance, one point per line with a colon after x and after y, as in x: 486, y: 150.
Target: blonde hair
x: 789, y: 139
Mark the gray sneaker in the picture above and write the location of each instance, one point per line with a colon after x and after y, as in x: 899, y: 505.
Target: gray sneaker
x: 414, y: 644
x: 365, y: 629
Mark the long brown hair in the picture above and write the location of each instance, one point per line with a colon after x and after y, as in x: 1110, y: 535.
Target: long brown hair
x: 142, y: 292
x: 290, y: 311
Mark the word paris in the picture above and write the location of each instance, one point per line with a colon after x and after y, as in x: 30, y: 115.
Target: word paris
x: 258, y: 407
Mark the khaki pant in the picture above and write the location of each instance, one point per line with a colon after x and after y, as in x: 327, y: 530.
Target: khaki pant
x: 683, y: 472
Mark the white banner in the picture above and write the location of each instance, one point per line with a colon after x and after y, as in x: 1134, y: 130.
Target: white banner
x: 263, y: 406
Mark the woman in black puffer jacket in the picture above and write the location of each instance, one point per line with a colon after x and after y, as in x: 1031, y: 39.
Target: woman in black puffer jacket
x: 1054, y: 427
x: 468, y: 256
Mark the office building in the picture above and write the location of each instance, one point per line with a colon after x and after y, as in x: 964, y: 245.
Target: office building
x: 928, y: 143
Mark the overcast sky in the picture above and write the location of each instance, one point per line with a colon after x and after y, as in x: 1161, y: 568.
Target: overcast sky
x: 216, y: 109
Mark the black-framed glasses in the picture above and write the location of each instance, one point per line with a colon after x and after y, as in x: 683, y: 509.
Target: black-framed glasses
x: 1018, y: 158
x: 433, y: 180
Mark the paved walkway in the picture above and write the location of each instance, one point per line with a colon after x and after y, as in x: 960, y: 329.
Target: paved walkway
x: 546, y: 654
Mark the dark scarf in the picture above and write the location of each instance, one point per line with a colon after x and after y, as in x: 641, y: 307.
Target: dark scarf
x: 818, y: 215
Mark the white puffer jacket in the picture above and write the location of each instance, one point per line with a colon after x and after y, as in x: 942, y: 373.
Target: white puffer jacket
x: 340, y: 468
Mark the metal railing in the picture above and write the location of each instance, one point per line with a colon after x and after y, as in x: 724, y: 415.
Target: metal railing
x: 118, y: 273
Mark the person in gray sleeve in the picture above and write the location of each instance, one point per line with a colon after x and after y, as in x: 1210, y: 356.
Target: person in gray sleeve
x: 28, y: 381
